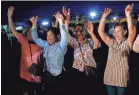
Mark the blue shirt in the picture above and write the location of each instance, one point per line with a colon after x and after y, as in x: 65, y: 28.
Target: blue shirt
x: 54, y: 54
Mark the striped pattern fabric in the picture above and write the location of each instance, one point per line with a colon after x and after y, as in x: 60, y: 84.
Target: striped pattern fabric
x: 117, y: 69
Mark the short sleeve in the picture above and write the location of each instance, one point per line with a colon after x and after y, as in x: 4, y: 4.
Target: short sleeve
x: 73, y: 42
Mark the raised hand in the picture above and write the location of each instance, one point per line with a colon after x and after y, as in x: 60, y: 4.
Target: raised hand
x: 59, y: 17
x: 106, y: 12
x: 128, y: 9
x: 10, y: 11
x: 66, y: 12
x: 90, y: 27
x: 34, y: 20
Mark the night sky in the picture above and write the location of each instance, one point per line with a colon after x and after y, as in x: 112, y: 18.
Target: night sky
x: 45, y: 9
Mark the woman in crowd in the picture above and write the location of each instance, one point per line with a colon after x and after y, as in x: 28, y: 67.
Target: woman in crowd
x: 30, y: 53
x: 83, y: 56
x: 53, y: 51
x: 116, y: 74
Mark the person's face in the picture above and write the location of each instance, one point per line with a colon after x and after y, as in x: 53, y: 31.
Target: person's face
x: 78, y: 28
x: 51, y: 37
x: 119, y: 33
x: 29, y: 36
x: 80, y: 35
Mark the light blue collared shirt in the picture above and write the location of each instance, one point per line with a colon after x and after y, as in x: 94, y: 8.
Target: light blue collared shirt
x: 54, y: 54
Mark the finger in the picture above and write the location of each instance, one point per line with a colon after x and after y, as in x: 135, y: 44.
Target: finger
x: 11, y: 7
x: 54, y: 15
x: 104, y: 9
x: 107, y: 9
x: 132, y: 5
x: 63, y: 9
x: 30, y: 19
x: 110, y: 9
x: 128, y: 6
x: 58, y: 12
x: 36, y: 17
x: 69, y: 10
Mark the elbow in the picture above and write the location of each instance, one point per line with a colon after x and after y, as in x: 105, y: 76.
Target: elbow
x: 136, y: 48
x: 99, y: 30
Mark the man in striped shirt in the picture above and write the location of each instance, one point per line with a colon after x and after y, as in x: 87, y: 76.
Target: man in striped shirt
x: 117, y: 71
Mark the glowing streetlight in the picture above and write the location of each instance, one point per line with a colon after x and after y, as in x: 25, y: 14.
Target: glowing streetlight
x: 45, y: 23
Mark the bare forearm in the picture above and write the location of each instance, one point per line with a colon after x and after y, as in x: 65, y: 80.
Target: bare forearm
x: 56, y: 24
x: 95, y: 39
x: 131, y: 26
x: 101, y: 31
x: 11, y: 25
x: 132, y: 31
x: 67, y: 25
x: 102, y: 25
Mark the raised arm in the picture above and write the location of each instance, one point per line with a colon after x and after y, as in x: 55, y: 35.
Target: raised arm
x: 136, y: 45
x: 67, y: 17
x: 10, y: 20
x: 131, y: 26
x: 63, y: 32
x: 101, y: 29
x: 34, y: 33
x: 66, y: 13
x: 90, y: 29
x: 55, y: 24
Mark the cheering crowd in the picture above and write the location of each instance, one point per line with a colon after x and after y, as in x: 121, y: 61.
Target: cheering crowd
x: 44, y: 60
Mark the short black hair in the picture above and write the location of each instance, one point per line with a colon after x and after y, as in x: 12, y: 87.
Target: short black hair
x: 55, y: 31
x: 79, y: 25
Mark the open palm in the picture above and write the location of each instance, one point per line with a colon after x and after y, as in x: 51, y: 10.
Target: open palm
x: 59, y: 17
x: 66, y: 12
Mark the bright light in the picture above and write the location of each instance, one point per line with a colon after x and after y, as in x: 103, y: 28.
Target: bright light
x: 93, y: 14
x: 114, y: 18
x: 45, y: 23
x: 19, y: 28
